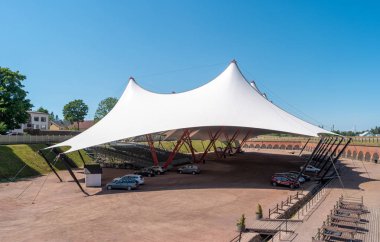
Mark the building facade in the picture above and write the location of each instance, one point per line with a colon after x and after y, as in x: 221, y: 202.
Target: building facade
x: 37, y: 120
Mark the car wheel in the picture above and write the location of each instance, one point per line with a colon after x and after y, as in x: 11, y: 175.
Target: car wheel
x: 149, y: 175
x: 274, y: 184
x: 109, y: 187
x: 180, y: 172
x: 194, y: 173
x: 129, y: 188
x: 292, y: 186
x: 159, y: 172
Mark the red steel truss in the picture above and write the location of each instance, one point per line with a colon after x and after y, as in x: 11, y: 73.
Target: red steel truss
x: 176, y: 148
x: 229, y: 142
x: 152, y: 149
x: 212, y: 141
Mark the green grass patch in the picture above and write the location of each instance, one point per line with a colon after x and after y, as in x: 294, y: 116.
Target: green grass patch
x: 24, y: 161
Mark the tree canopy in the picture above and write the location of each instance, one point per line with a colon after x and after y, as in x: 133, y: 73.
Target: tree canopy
x: 13, y: 102
x: 75, y: 111
x: 52, y: 117
x: 104, y: 107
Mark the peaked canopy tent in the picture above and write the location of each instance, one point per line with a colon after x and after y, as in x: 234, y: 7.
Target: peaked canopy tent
x: 228, y: 102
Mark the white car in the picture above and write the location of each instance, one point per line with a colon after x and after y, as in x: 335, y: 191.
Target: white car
x: 138, y: 178
x: 310, y: 168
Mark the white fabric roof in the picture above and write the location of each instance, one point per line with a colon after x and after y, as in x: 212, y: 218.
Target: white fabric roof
x: 228, y: 101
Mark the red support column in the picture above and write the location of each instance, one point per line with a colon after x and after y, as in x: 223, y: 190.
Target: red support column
x: 176, y: 149
x: 189, y: 143
x: 230, y: 141
x: 152, y: 149
x: 244, y: 140
x: 212, y: 141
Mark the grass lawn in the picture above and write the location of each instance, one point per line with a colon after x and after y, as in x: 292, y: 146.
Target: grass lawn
x: 24, y: 161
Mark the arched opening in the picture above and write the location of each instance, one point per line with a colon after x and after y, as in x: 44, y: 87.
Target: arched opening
x: 263, y: 146
x: 296, y: 147
x: 282, y: 147
x: 289, y: 147
x: 269, y: 146
x: 275, y: 147
x: 354, y: 155
x: 349, y: 154
x: 360, y: 155
x: 257, y: 146
x: 375, y: 157
x: 367, y: 156
x: 251, y: 146
x: 245, y: 146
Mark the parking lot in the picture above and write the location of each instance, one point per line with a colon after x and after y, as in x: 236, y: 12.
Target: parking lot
x: 169, y: 207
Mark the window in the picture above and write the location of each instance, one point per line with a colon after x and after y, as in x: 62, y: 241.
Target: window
x: 37, y: 126
x: 36, y: 119
x: 43, y: 119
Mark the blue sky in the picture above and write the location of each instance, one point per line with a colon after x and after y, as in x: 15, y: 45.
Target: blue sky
x: 319, y: 60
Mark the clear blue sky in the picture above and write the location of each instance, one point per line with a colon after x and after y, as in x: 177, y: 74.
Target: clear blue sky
x: 320, y: 60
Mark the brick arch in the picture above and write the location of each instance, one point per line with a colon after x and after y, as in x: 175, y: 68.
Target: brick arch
x: 354, y: 155
x: 343, y: 154
x: 289, y: 147
x: 269, y: 146
x: 282, y: 147
x: 375, y: 157
x: 245, y: 146
x: 257, y: 146
x: 349, y: 154
x: 275, y: 146
x: 263, y: 146
x: 367, y: 156
x: 251, y: 146
x: 296, y: 147
x: 360, y: 155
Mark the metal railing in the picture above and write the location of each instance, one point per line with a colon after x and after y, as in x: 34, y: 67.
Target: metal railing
x: 32, y: 139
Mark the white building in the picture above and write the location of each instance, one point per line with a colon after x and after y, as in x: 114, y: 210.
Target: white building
x: 37, y: 120
x: 93, y: 176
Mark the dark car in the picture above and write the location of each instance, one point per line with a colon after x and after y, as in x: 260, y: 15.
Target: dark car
x: 281, y: 180
x: 158, y: 170
x: 306, y: 177
x: 189, y: 169
x: 122, y: 183
x: 145, y: 172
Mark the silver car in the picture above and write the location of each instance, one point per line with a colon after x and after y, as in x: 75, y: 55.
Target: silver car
x: 189, y: 169
x: 122, y: 183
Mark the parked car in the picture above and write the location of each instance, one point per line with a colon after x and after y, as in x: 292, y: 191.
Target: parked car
x: 306, y: 177
x: 189, y: 169
x: 145, y: 172
x: 281, y: 180
x: 310, y: 168
x: 157, y: 169
x: 122, y: 183
x: 291, y: 175
x: 138, y: 178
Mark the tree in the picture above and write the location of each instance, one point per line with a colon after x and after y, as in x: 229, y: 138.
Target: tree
x: 104, y: 107
x: 13, y: 102
x: 51, y: 114
x: 75, y: 111
x: 375, y: 130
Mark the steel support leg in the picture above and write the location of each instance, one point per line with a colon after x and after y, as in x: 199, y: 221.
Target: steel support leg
x: 84, y: 163
x: 317, y: 158
x: 189, y: 143
x: 212, y: 141
x: 152, y: 149
x: 72, y: 174
x: 230, y: 141
x: 244, y: 140
x: 336, y: 159
x: 309, y: 160
x: 50, y: 165
x: 329, y: 158
x: 176, y: 149
x: 304, y: 146
x: 323, y: 157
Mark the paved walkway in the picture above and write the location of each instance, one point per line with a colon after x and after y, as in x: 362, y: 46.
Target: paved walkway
x: 359, y: 179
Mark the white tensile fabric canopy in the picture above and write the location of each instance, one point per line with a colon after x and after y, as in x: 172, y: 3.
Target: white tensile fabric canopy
x: 228, y: 101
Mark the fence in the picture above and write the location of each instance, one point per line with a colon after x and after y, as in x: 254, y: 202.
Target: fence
x: 32, y: 139
x: 279, y: 208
